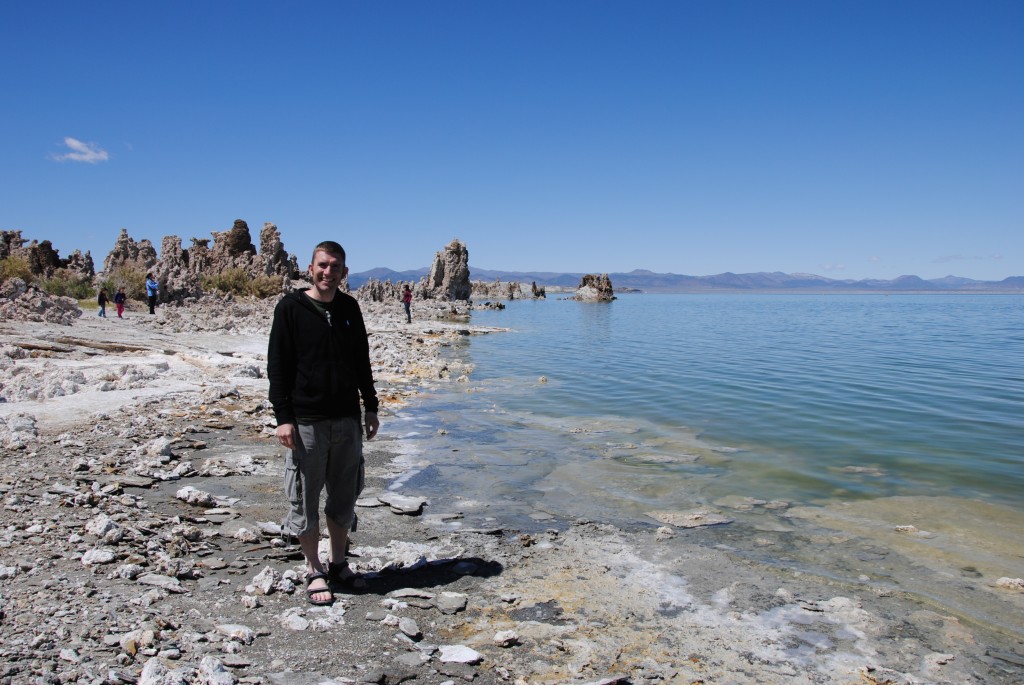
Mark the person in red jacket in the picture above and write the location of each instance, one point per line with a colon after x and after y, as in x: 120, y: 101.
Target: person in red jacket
x: 119, y: 299
x: 318, y: 364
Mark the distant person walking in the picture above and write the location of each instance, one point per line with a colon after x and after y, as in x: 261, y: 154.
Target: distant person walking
x: 152, y: 288
x: 101, y: 300
x: 119, y: 300
x: 318, y: 363
x: 407, y: 303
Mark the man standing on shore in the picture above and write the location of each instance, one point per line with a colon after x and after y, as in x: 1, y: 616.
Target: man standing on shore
x: 318, y: 363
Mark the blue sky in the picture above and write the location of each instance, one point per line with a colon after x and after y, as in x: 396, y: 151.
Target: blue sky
x: 849, y: 139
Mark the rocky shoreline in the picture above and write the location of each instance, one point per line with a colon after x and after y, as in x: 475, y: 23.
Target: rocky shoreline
x: 138, y: 544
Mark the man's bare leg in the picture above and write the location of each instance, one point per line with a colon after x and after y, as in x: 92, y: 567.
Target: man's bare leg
x: 310, y: 544
x: 339, y: 543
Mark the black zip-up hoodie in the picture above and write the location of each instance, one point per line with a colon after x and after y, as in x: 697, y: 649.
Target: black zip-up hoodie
x: 318, y: 369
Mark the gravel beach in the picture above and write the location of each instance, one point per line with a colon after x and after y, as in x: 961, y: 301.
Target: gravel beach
x: 139, y: 544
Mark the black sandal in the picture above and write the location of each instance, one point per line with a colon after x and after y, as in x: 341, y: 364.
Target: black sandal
x: 319, y: 591
x: 352, y: 581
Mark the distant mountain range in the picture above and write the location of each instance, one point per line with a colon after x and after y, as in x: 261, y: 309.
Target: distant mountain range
x: 651, y: 282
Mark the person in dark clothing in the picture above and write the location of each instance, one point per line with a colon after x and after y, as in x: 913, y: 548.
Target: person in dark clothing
x: 318, y: 364
x: 407, y: 303
x: 101, y: 300
x: 119, y: 299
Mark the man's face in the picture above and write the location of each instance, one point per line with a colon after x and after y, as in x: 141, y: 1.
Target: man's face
x: 327, y: 272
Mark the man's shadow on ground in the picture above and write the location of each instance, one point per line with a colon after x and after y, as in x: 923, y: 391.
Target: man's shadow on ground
x: 432, y: 574
x: 426, y: 574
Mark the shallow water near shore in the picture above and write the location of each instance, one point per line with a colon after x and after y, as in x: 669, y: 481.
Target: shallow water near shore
x: 875, y: 440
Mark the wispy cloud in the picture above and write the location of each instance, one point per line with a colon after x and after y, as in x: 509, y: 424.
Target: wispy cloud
x: 946, y: 259
x: 833, y: 267
x: 90, y: 153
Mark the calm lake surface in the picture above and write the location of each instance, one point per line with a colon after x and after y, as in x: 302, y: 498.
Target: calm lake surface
x: 796, y: 416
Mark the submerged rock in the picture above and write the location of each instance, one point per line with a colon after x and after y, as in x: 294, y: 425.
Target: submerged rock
x: 692, y: 519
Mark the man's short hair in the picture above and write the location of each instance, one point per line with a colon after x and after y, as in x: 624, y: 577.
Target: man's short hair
x: 330, y: 247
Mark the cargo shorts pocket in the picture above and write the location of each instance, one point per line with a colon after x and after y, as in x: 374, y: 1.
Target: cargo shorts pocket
x: 292, y: 479
x: 295, y: 522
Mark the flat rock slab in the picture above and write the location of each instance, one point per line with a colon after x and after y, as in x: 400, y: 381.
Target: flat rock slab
x: 692, y: 519
x: 402, y: 504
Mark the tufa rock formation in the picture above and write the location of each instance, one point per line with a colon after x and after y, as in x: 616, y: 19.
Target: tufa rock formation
x: 594, y: 288
x: 80, y: 264
x: 235, y: 242
x: 275, y: 259
x: 127, y: 252
x: 10, y: 243
x: 513, y: 290
x: 449, y: 274
x: 386, y: 291
x: 180, y: 270
x: 44, y: 261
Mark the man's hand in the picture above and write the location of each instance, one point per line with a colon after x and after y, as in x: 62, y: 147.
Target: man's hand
x: 286, y: 435
x: 372, y: 425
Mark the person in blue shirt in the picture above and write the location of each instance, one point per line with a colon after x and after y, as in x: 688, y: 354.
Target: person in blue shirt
x: 152, y: 287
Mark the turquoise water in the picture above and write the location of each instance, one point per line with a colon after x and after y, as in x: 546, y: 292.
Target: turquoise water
x: 929, y: 389
x: 802, y: 418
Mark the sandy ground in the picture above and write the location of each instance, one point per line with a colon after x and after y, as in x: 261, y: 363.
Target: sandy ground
x: 585, y: 602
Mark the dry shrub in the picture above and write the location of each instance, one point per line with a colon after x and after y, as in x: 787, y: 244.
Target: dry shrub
x: 240, y: 283
x: 16, y: 266
x: 68, y: 284
x: 131, y: 278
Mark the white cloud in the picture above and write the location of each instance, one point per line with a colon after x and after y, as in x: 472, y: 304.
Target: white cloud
x: 833, y: 267
x: 90, y: 153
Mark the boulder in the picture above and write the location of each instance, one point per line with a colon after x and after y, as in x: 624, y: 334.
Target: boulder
x: 20, y: 301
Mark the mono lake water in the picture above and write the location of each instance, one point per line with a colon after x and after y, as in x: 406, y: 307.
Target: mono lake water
x: 818, y: 423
